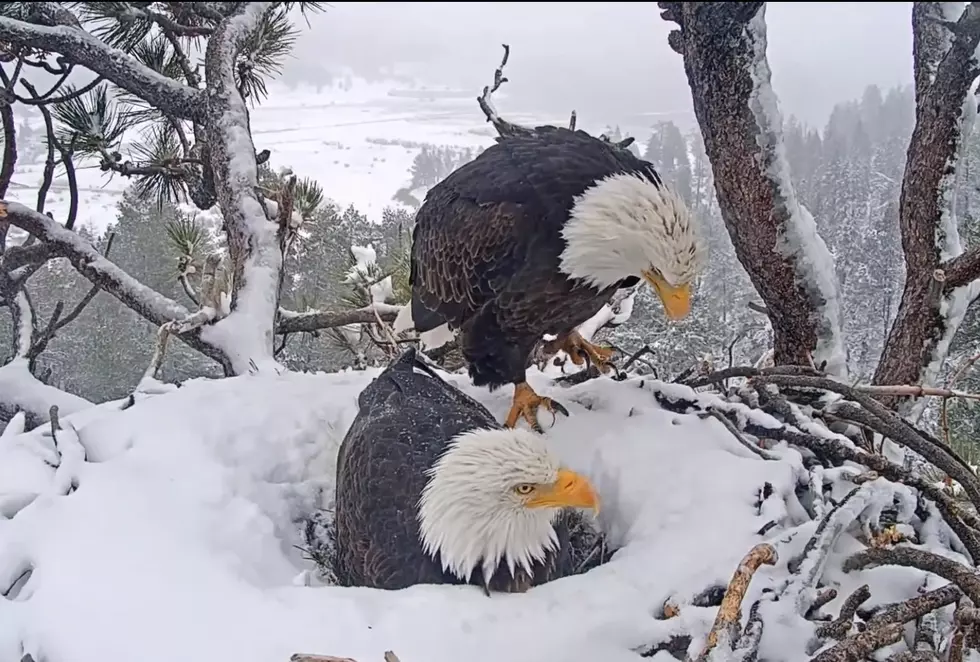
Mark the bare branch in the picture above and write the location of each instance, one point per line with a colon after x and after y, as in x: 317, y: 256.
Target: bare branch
x: 965, y: 578
x: 962, y: 269
x: 503, y: 127
x: 291, y: 322
x: 111, y: 63
x: 726, y: 626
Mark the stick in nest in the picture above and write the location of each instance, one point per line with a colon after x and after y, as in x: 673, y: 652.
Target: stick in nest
x: 840, y: 626
x: 860, y: 645
x: 730, y: 613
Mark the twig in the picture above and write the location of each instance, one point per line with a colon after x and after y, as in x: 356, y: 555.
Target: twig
x: 503, y: 127
x: 840, y: 626
x: 755, y: 449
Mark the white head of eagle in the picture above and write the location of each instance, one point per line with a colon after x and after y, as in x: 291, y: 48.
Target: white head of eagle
x: 632, y: 224
x: 493, y: 496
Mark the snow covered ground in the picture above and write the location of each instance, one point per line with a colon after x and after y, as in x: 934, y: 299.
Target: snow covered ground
x: 180, y: 542
x: 359, y: 144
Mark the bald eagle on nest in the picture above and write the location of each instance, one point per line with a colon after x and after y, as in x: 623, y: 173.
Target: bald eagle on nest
x: 431, y: 490
x: 533, y: 237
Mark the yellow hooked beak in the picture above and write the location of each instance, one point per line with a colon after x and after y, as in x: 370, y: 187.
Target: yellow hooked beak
x: 571, y: 490
x: 676, y: 300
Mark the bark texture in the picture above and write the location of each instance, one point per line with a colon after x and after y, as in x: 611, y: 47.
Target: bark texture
x: 945, y: 68
x: 719, y: 52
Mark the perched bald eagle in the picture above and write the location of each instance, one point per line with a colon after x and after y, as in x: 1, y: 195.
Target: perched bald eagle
x: 431, y: 490
x: 533, y: 237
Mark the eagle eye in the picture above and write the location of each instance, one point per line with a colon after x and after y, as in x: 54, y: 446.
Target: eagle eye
x: 524, y: 489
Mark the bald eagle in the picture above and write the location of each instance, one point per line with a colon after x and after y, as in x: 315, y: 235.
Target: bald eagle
x: 432, y: 490
x: 533, y: 237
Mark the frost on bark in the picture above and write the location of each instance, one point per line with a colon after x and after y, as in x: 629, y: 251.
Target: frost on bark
x: 938, y: 275
x: 724, y: 49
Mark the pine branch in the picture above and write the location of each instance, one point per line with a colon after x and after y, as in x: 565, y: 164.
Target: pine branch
x: 110, y: 63
x: 149, y: 304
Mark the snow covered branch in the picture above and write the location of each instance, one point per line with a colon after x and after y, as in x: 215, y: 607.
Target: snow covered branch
x: 724, y: 49
x: 935, y: 299
x: 248, y: 331
x: 151, y: 305
x: 80, y: 47
x: 889, y: 512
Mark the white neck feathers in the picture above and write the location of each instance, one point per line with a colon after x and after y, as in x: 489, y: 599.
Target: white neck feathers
x: 625, y: 224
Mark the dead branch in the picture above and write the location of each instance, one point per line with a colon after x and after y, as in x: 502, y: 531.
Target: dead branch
x: 859, y: 646
x: 290, y: 322
x: 917, y: 607
x: 503, y: 127
x: 840, y: 626
x: 728, y: 621
x: 965, y: 578
x: 57, y: 322
x: 964, y: 523
x: 892, y: 426
x: 754, y: 448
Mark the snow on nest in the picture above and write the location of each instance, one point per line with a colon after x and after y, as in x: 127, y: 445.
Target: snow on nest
x: 179, y: 541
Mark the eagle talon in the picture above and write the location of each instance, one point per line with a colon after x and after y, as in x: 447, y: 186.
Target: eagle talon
x: 526, y: 404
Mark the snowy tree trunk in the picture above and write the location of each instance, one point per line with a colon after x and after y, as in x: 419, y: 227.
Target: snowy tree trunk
x: 775, y: 238
x: 247, y: 334
x: 938, y: 287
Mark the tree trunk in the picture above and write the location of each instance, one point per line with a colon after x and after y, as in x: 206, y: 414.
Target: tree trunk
x: 247, y: 333
x: 933, y: 305
x: 775, y: 239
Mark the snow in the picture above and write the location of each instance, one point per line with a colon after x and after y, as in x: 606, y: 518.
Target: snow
x: 179, y: 541
x: 800, y: 240
x: 22, y: 390
x: 365, y: 257
x: 24, y: 317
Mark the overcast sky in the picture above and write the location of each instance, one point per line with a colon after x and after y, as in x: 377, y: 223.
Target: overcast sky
x: 611, y: 57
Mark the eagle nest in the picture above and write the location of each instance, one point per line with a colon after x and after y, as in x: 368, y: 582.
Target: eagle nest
x: 846, y: 439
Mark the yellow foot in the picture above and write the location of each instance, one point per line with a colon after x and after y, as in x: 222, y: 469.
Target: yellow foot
x: 579, y: 349
x: 526, y: 403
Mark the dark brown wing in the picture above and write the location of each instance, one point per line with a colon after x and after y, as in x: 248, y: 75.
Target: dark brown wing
x: 494, y: 224
x: 404, y: 422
